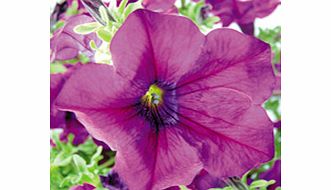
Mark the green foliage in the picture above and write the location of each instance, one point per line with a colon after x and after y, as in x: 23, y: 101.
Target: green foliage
x: 87, y: 28
x: 272, y: 105
x: 272, y: 37
x: 59, y: 24
x: 193, y: 10
x: 72, y: 165
x: 107, y: 31
x: 73, y: 10
x: 57, y: 68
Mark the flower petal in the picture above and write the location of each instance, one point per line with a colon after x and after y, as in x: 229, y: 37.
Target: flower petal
x: 85, y: 186
x: 158, y: 161
x: 235, y: 61
x: 205, y: 181
x: 151, y: 46
x: 159, y: 5
x: 232, y: 134
x: 98, y: 86
x: 273, y: 174
x: 66, y: 44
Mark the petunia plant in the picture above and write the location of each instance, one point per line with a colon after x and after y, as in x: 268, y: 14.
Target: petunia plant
x: 157, y: 95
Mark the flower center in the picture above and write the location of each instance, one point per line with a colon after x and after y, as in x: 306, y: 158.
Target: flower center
x: 159, y: 105
x: 153, y: 96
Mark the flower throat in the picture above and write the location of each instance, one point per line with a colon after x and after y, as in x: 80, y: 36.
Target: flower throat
x: 158, y: 106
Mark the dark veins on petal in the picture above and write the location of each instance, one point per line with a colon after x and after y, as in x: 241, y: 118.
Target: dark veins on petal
x: 159, y: 105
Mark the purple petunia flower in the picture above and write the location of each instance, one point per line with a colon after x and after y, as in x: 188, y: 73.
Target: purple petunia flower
x: 243, y: 12
x: 85, y: 186
x: 176, y: 101
x: 205, y: 181
x: 64, y: 119
x: 273, y: 174
x: 165, y: 6
x: 66, y: 44
x: 113, y: 181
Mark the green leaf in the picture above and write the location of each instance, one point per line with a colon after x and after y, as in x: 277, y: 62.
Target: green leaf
x: 132, y: 7
x: 182, y: 187
x: 104, y: 35
x: 87, y: 28
x: 62, y: 159
x: 79, y: 162
x: 260, y: 184
x: 93, y: 45
x: 104, y: 14
x: 59, y: 24
x: 57, y: 68
x: 122, y: 6
x: 69, y: 163
x: 73, y: 10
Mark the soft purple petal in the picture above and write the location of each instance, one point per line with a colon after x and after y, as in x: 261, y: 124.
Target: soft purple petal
x: 73, y: 126
x: 158, y: 162
x: 56, y: 118
x: 278, y: 124
x: 220, y: 103
x: 205, y: 181
x: 103, y: 107
x: 85, y: 186
x: 113, y: 181
x: 160, y: 52
x: 273, y: 174
x: 63, y: 119
x: 247, y: 28
x: 233, y: 61
x: 242, y: 12
x: 159, y: 5
x: 66, y: 44
x: 232, y: 134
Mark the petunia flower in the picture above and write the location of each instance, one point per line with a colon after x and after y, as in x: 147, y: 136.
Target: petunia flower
x: 63, y: 119
x: 205, y: 181
x: 273, y: 174
x: 66, y: 44
x: 243, y: 12
x: 113, y: 181
x: 85, y: 186
x: 164, y: 6
x: 176, y: 101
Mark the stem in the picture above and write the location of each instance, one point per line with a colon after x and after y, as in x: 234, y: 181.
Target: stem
x: 107, y: 163
x: 183, y: 4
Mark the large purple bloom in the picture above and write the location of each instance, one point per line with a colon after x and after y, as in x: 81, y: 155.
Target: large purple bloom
x: 66, y: 44
x: 177, y: 101
x: 243, y: 12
